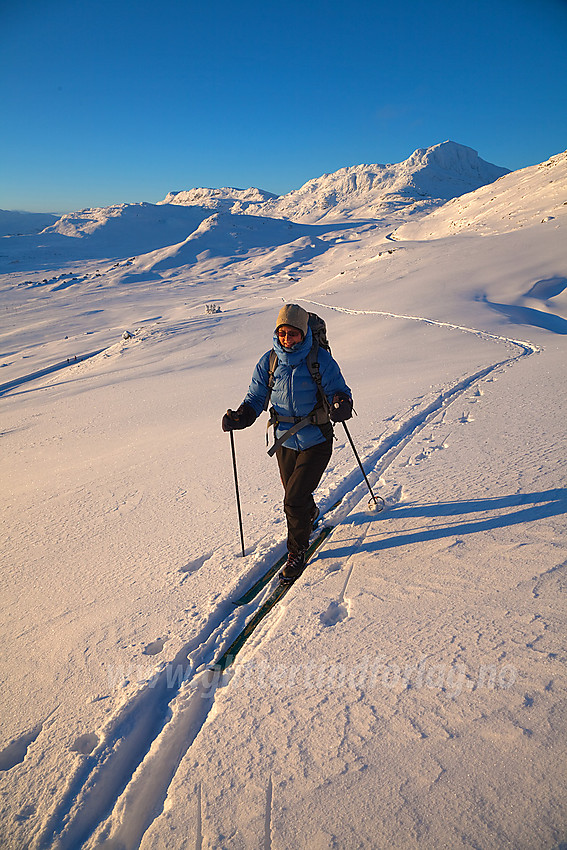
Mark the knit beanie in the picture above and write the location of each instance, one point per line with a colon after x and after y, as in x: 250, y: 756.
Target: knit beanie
x: 295, y: 316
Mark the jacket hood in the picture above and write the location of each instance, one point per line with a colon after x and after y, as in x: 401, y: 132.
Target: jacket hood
x: 298, y: 353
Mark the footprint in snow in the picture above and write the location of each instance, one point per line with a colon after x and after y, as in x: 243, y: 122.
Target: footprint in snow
x: 397, y: 496
x: 85, y: 744
x: 193, y: 566
x: 25, y: 813
x: 155, y: 647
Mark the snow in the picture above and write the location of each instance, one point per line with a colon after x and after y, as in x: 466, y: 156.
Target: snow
x: 409, y: 691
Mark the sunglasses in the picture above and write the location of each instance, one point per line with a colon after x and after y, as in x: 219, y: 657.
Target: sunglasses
x: 291, y: 334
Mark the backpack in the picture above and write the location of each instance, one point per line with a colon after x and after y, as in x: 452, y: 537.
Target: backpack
x: 320, y: 415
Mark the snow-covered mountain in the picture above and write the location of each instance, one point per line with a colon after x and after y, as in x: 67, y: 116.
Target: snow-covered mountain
x: 126, y: 228
x: 226, y: 199
x: 230, y: 238
x: 117, y: 231
x: 528, y: 196
x: 359, y: 193
x: 427, y: 178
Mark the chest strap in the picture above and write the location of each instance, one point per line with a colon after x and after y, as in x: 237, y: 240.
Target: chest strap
x: 318, y: 416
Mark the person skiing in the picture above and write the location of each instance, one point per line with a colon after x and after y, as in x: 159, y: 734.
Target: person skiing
x: 303, y: 410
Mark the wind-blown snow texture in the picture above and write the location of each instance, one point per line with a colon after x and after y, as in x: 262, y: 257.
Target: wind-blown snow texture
x: 410, y: 690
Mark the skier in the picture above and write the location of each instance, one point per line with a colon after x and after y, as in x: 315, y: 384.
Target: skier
x: 303, y: 409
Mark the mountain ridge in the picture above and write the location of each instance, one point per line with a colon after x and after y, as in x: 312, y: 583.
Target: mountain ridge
x: 225, y: 199
x: 232, y: 222
x: 429, y: 177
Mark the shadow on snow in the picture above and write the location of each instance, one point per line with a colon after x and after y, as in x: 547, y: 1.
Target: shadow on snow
x: 532, y: 507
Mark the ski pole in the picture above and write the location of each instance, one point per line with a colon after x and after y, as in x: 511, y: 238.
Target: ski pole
x: 237, y: 491
x: 379, y: 506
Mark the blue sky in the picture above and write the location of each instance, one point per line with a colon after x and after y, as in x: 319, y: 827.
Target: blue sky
x: 113, y: 101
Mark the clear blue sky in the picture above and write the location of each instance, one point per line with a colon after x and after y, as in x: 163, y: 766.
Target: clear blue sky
x: 109, y: 101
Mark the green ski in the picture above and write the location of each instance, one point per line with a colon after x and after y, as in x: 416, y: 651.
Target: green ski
x: 228, y: 656
x: 261, y: 582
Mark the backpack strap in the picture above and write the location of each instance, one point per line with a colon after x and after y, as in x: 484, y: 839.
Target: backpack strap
x: 313, y: 366
x: 271, y: 370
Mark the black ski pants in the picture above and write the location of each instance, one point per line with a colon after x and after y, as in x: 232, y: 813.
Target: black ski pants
x: 300, y: 473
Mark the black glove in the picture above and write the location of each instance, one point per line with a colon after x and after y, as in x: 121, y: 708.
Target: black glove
x: 341, y: 408
x: 234, y: 420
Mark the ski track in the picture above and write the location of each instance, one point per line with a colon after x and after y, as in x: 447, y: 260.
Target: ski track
x: 120, y: 788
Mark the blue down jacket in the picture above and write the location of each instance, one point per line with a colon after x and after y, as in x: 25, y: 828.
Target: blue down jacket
x: 295, y: 392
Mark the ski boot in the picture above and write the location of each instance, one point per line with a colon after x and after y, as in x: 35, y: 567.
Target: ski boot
x: 294, y: 567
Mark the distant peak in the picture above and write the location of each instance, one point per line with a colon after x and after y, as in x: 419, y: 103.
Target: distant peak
x: 225, y: 198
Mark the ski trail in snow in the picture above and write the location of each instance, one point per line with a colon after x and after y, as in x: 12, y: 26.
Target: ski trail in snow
x: 527, y: 347
x: 417, y: 417
x: 121, y: 787
x: 144, y: 797
x: 49, y: 370
x: 107, y: 774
